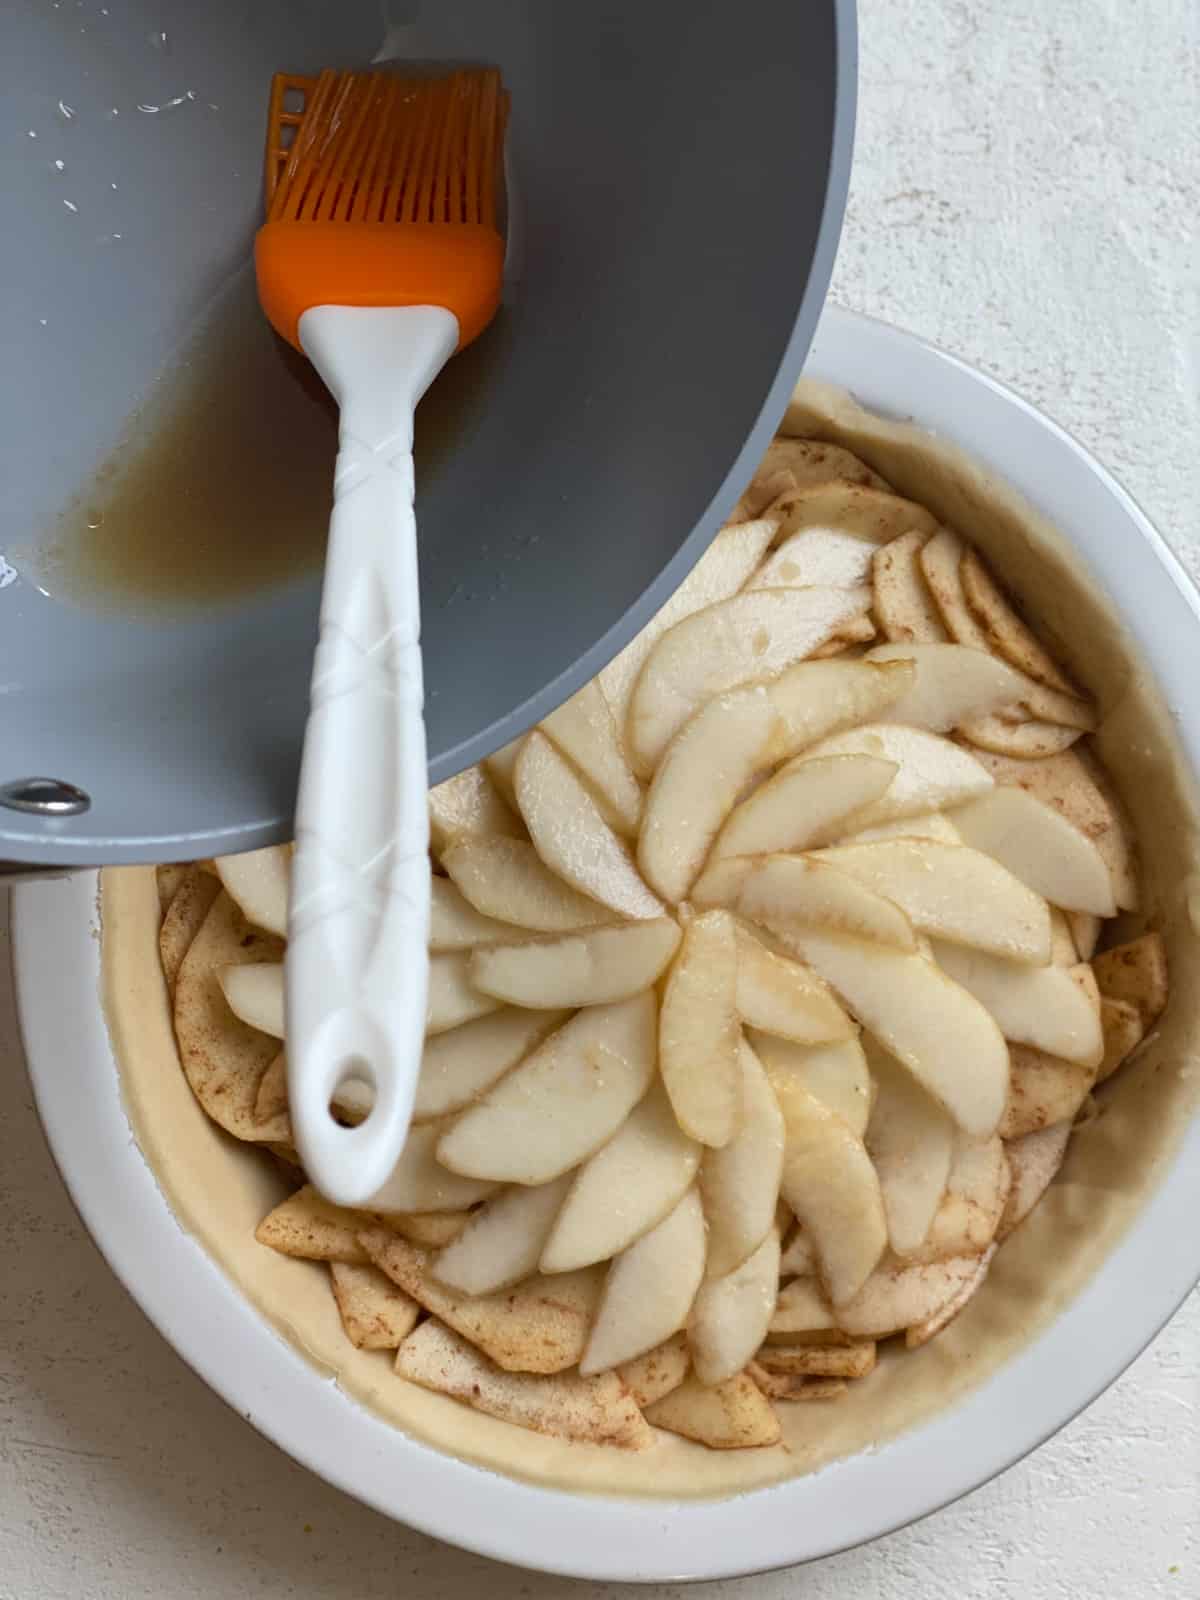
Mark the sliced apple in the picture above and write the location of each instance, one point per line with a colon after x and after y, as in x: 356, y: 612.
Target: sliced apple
x: 928, y: 825
x: 563, y: 1102
x: 1034, y: 1161
x: 782, y: 997
x: 539, y: 1326
x: 976, y: 1192
x: 625, y: 1189
x: 932, y: 1025
x: 577, y: 969
x: 734, y: 1415
x: 255, y: 994
x: 1136, y: 972
x: 1027, y: 740
x: 457, y: 1067
x: 469, y: 803
x: 1039, y: 1006
x: 802, y: 1308
x: 911, y: 1141
x: 806, y: 892
x: 585, y: 730
x: 506, y: 879
x: 1038, y: 845
x: 934, y: 774
x: 904, y: 607
x: 920, y: 1333
x: 739, y: 1183
x: 454, y: 923
x: 953, y: 682
x: 1004, y: 630
x: 1043, y: 1090
x: 898, y: 1296
x: 704, y: 769
x: 748, y: 638
x: 830, y: 1184
x: 571, y: 835
x: 952, y: 892
x: 453, y: 998
x: 837, y: 1074
x: 649, y: 1289
x: 418, y: 1181
x: 731, y: 1315
x: 660, y: 1370
x: 720, y: 573
x: 598, y: 1411
x: 1123, y: 1030
x: 258, y: 881
x: 502, y: 1242
x: 698, y: 1031
x: 799, y: 806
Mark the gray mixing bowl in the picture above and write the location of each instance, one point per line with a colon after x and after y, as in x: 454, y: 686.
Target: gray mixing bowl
x: 679, y: 173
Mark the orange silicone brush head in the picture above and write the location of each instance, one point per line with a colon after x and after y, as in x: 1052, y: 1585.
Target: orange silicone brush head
x: 386, y: 195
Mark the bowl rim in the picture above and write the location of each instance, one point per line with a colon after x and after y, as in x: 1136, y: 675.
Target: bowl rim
x: 56, y: 959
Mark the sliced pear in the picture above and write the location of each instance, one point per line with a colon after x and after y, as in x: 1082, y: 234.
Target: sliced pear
x: 720, y: 572
x: 454, y: 923
x: 782, y: 997
x: 1027, y: 740
x: 806, y: 892
x: 817, y: 698
x: 563, y: 1102
x: 540, y: 1326
x: 649, y: 1289
x: 577, y: 969
x: 501, y: 764
x: 659, y: 1371
x: 457, y: 1067
x: 904, y: 607
x: 731, y: 1315
x: 898, y: 1296
x: 506, y: 879
x: 1039, y: 846
x: 704, y: 769
x: 932, y: 1025
x: 1006, y: 634
x: 837, y: 1074
x: 859, y: 630
x: 813, y: 461
x: 469, y: 803
x: 928, y: 825
x: 934, y: 774
x: 1043, y: 1090
x: 585, y: 730
x: 748, y: 638
x: 255, y: 994
x: 976, y: 1192
x: 850, y: 1360
x: 1136, y: 972
x: 911, y: 1141
x: 432, y: 1230
x: 375, y: 1314
x: 953, y: 682
x: 1039, y: 1006
x: 920, y: 1333
x: 258, y: 881
x: 418, y: 1181
x: 760, y: 495
x: 734, y: 1415
x: 830, y: 1184
x: 625, y: 1189
x: 833, y: 556
x: 571, y: 835
x: 1123, y: 1030
x: 952, y: 892
x: 698, y: 1032
x: 1085, y: 932
x: 1034, y: 1161
x: 598, y: 1411
x: 720, y: 885
x: 739, y: 1183
x: 308, y: 1226
x: 453, y: 998
x: 799, y: 806
x: 802, y: 1308
x: 940, y: 560
x: 799, y: 1259
x: 502, y: 1242
x: 872, y: 513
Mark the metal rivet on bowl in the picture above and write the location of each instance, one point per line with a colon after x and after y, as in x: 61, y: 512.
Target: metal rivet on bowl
x: 45, y: 797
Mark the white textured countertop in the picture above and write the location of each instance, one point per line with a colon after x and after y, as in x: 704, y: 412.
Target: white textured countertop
x: 1021, y: 196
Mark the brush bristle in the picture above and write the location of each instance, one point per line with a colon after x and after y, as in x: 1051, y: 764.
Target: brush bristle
x: 376, y: 147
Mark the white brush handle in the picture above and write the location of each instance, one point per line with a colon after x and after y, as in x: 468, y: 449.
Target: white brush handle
x: 358, y: 925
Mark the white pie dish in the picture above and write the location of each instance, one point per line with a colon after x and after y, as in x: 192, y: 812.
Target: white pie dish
x: 1143, y: 1279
